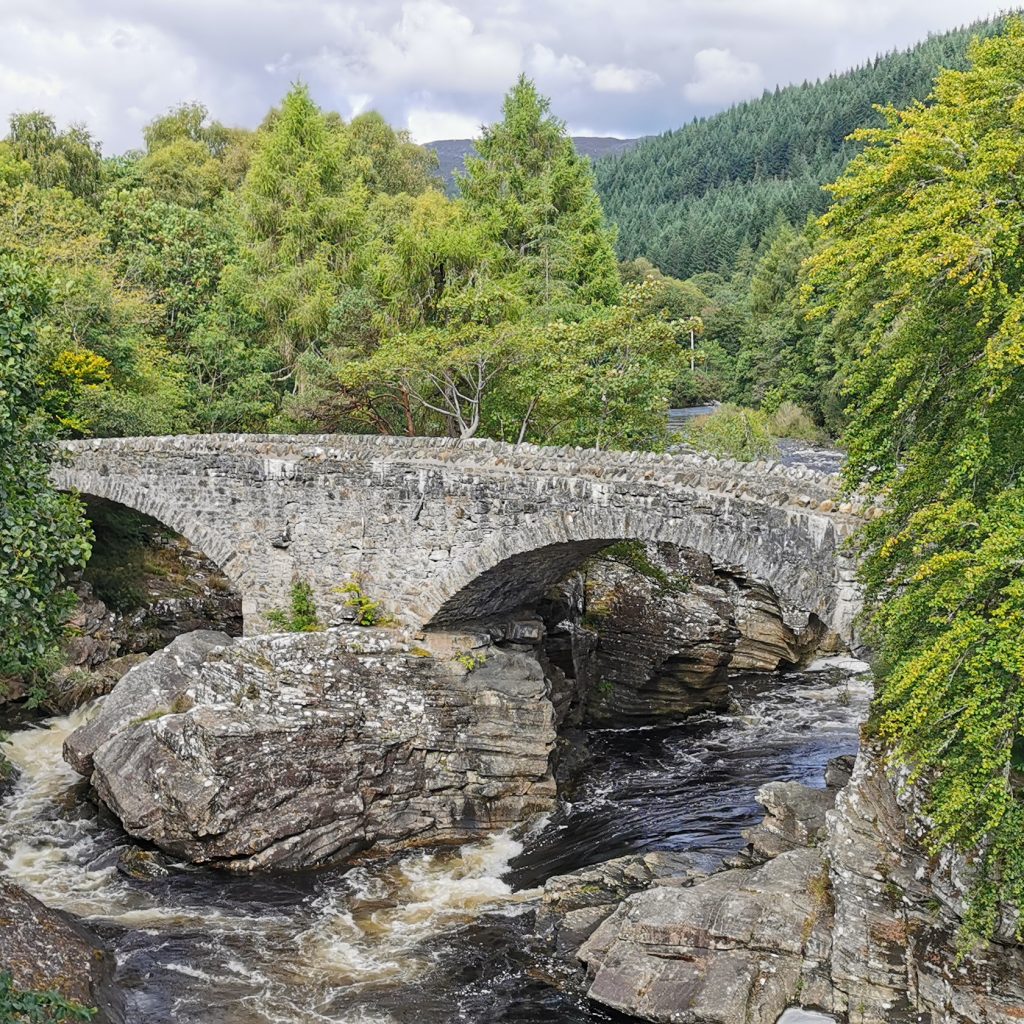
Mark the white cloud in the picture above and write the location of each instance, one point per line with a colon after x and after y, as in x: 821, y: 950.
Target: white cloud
x: 612, y: 78
x: 434, y: 45
x: 438, y: 65
x: 722, y: 78
x: 431, y: 125
x: 551, y: 67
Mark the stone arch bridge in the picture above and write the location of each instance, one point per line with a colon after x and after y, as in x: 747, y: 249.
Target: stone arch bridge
x: 444, y: 531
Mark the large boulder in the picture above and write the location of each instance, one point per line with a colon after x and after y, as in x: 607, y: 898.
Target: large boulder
x: 738, y: 948
x: 47, y: 951
x: 289, y: 750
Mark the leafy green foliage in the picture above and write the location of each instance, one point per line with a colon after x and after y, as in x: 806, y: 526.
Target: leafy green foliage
x: 301, y: 615
x: 691, y: 200
x: 42, y: 534
x: 367, y: 611
x: 922, y: 247
x: 731, y: 432
x: 66, y: 159
x: 18, y: 1006
x: 633, y: 555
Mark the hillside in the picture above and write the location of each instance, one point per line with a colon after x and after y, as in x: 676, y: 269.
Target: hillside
x: 689, y: 200
x: 452, y: 153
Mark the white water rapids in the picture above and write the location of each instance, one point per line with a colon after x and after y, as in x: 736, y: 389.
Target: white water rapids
x: 429, y: 938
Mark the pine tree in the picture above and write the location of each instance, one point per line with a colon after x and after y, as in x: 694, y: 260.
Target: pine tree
x: 539, y: 201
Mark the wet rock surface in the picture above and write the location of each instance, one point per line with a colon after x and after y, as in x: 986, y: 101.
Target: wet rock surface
x: 46, y: 950
x: 289, y: 750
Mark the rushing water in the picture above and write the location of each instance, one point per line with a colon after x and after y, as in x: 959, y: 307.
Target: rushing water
x: 430, y: 938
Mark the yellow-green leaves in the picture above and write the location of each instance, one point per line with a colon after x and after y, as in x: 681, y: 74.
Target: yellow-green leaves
x: 924, y: 247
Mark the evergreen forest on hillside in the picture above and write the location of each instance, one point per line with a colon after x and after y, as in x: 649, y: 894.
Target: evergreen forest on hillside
x: 699, y: 198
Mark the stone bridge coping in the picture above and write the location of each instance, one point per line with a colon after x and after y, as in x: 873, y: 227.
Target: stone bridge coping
x: 768, y: 479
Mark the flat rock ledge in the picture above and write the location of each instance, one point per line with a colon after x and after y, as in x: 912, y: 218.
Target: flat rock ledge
x: 289, y: 750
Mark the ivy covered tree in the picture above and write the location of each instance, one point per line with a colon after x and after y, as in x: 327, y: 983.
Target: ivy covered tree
x: 923, y: 247
x: 42, y: 533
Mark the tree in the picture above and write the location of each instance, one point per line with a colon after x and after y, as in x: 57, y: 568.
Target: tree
x: 537, y: 198
x: 42, y: 533
x: 388, y: 160
x: 58, y: 159
x: 922, y: 246
x: 192, y: 161
x: 303, y: 218
x: 94, y: 319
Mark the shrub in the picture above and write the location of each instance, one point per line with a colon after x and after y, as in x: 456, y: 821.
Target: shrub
x: 302, y: 616
x: 368, y: 612
x: 789, y: 420
x: 17, y: 1006
x: 731, y: 432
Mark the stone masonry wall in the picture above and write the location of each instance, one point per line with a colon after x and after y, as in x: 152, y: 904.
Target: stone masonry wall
x: 442, y: 531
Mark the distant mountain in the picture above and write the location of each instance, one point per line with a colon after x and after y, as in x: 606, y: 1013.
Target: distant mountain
x: 452, y: 153
x: 694, y: 199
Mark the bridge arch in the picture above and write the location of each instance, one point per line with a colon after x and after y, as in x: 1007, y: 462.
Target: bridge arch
x: 140, y: 497
x: 515, y: 568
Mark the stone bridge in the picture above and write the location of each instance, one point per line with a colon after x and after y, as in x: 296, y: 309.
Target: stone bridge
x: 444, y: 531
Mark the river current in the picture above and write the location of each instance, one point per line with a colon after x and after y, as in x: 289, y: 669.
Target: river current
x: 427, y: 937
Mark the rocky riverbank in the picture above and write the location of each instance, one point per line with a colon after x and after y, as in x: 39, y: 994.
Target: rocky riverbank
x: 840, y: 910
x: 47, y: 951
x: 651, y: 632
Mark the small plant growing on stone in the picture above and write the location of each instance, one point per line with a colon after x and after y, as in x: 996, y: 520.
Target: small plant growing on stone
x: 45, y: 1007
x: 368, y: 612
x: 470, y: 661
x: 301, y: 617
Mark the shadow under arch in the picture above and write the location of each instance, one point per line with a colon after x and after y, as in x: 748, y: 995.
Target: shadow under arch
x: 515, y: 568
x: 216, y: 548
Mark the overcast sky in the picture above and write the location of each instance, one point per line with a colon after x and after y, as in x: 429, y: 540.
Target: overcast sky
x: 437, y: 67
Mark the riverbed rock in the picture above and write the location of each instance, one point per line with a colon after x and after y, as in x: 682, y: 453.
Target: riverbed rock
x: 574, y: 904
x: 46, y: 950
x: 737, y: 948
x: 288, y: 750
x: 795, y: 818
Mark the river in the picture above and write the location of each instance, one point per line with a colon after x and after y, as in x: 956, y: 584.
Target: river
x: 430, y: 938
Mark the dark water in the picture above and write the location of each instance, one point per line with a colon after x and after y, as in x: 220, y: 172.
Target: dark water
x: 426, y: 938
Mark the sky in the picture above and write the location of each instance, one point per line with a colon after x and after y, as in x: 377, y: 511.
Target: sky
x: 436, y: 67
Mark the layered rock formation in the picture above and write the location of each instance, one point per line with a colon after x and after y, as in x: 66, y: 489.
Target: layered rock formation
x: 736, y: 949
x: 288, y: 750
x: 897, y: 911
x: 651, y: 632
